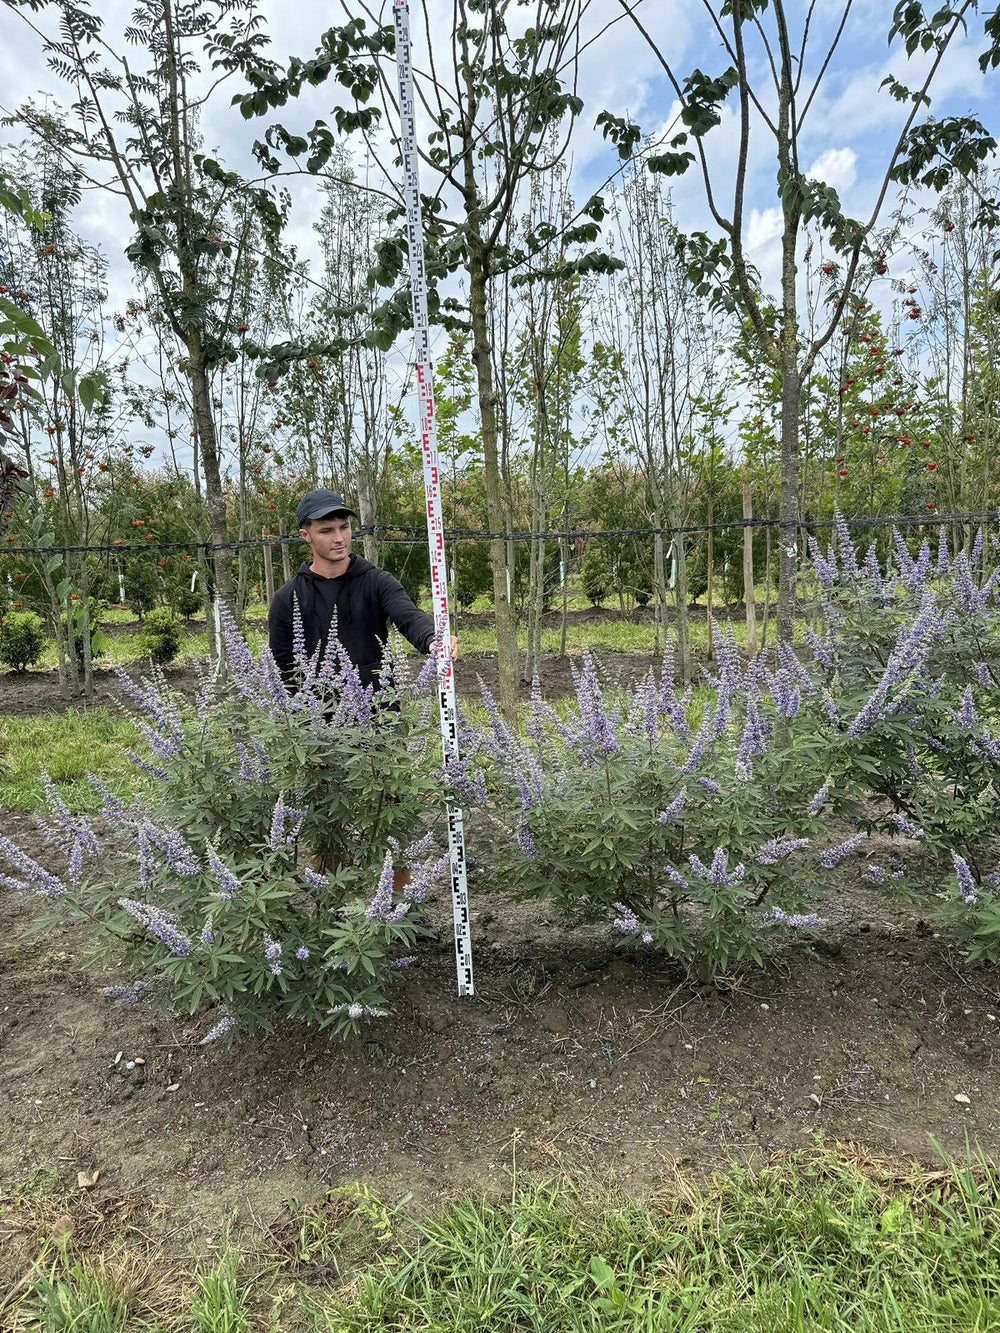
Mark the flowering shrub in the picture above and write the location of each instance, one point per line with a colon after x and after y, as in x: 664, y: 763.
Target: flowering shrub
x: 907, y: 662
x: 692, y: 837
x: 257, y: 874
x: 360, y: 764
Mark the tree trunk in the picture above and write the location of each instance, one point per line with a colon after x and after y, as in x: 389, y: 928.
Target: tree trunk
x: 791, y: 380
x: 366, y: 510
x: 788, y: 501
x: 286, y: 552
x: 201, y: 397
x: 709, y: 580
x: 749, y: 596
x: 767, y: 588
x: 681, y: 602
x: 659, y: 589
x: 495, y: 506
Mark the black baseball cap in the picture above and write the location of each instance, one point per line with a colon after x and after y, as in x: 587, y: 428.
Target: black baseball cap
x: 320, y: 504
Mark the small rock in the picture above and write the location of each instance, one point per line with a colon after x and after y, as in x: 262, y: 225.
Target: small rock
x: 961, y: 1097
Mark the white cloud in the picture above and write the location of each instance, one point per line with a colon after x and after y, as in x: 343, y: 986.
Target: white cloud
x: 837, y: 167
x: 764, y: 226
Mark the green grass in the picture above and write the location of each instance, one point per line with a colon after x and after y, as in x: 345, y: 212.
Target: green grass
x: 817, y: 1243
x: 67, y: 746
x: 125, y: 649
x: 614, y: 636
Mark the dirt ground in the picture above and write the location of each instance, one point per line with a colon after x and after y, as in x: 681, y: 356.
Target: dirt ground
x: 572, y: 1055
x: 33, y: 692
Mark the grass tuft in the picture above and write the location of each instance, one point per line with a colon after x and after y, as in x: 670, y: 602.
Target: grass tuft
x: 67, y: 746
x: 815, y: 1242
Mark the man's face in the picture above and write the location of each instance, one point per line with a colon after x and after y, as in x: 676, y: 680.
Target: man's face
x: 329, y: 538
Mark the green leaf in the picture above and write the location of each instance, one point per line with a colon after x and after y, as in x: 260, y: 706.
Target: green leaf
x: 601, y: 1272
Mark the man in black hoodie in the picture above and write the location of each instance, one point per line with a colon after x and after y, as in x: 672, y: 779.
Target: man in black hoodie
x: 366, y: 599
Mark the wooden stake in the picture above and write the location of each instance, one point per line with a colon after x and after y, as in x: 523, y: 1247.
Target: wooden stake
x: 286, y: 558
x: 268, y: 568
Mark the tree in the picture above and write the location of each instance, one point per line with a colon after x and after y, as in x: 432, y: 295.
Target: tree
x: 503, y: 120
x: 924, y: 151
x: 143, y: 125
x: 657, y: 355
x: 54, y: 386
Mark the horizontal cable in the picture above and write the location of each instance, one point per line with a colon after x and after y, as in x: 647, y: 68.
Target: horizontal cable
x: 412, y: 534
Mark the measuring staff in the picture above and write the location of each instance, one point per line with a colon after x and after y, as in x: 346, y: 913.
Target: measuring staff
x: 432, y: 491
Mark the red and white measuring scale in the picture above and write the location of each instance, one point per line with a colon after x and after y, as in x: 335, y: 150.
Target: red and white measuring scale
x: 432, y: 491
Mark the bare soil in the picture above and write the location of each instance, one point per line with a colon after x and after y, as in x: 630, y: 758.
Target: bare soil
x: 31, y: 692
x: 572, y: 1055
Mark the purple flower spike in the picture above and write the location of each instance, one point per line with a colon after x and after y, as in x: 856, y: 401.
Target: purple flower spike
x: 178, y: 854
x: 906, y: 826
x: 718, y: 872
x: 35, y: 878
x: 845, y: 546
x: 673, y: 810
x: 776, y: 849
x: 380, y: 906
x: 72, y: 833
x: 626, y: 922
x: 644, y: 709
x: 966, y: 716
x: 426, y: 877
x: 163, y: 730
x: 833, y: 856
x: 128, y: 993
x: 229, y: 884
x: 160, y: 924
x: 697, y: 751
x: 774, y: 916
x: 224, y: 1025
x: 272, y: 955
x: 286, y: 824
x: 967, y: 888
x: 525, y: 841
x: 596, y: 730
x: 825, y: 566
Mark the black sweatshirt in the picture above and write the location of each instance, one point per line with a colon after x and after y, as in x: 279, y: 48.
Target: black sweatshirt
x: 366, y: 600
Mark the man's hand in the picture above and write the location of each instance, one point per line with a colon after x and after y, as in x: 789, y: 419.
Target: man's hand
x: 432, y: 647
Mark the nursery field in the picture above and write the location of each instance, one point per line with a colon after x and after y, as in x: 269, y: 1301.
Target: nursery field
x: 731, y: 1060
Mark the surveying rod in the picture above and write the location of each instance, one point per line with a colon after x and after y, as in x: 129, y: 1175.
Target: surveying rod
x: 432, y: 492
